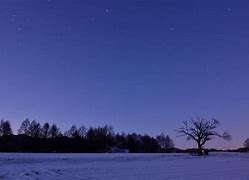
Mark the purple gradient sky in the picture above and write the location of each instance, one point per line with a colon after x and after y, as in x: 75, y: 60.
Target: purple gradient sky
x: 142, y: 66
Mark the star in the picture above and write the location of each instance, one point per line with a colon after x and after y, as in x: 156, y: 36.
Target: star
x: 107, y: 10
x: 19, y: 28
x: 172, y: 29
x: 13, y: 17
x: 228, y: 10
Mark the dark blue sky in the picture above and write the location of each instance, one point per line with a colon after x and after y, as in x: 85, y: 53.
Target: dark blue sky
x: 139, y: 65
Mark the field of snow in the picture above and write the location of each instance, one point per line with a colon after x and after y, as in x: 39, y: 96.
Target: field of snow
x: 220, y: 166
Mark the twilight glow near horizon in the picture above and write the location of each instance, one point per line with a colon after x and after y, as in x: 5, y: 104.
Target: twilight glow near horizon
x: 141, y: 66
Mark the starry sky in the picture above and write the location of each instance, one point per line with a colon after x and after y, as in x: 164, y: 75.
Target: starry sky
x: 140, y: 65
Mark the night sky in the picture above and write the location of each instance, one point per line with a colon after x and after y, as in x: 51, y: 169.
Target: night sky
x: 140, y: 65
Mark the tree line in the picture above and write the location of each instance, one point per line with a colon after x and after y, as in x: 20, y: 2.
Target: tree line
x: 35, y: 137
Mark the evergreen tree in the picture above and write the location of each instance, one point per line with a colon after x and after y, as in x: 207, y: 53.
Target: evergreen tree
x: 24, y: 128
x: 45, y: 130
x: 5, y: 128
x: 54, y: 131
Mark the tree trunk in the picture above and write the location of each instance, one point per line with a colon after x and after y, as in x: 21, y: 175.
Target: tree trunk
x: 199, y: 149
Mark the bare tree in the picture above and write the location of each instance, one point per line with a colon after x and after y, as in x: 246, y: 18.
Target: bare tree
x: 165, y: 141
x: 246, y: 143
x: 169, y: 143
x: 201, y: 130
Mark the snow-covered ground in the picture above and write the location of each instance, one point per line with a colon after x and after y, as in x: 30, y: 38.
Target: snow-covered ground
x: 220, y: 166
